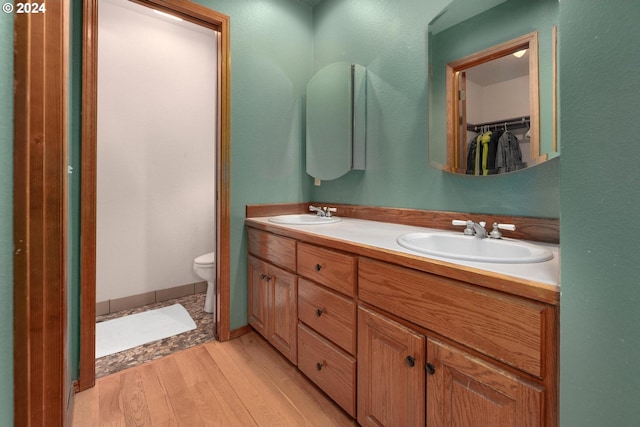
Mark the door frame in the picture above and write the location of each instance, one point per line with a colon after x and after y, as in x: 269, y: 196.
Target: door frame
x: 199, y: 15
x: 40, y: 347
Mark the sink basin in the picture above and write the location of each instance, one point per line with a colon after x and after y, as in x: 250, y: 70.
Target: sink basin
x: 303, y: 219
x: 471, y: 248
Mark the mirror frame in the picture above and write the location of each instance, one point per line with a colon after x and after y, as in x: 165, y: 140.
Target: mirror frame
x: 453, y: 70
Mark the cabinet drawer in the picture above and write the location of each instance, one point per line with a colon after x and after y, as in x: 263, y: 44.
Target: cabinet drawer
x: 328, y: 313
x: 509, y: 329
x: 278, y: 250
x: 328, y: 367
x: 333, y: 269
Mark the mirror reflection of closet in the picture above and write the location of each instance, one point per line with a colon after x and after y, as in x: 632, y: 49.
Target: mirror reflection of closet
x: 492, y: 119
x: 473, y: 88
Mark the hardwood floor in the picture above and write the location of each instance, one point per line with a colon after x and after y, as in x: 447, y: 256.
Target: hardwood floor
x: 242, y: 382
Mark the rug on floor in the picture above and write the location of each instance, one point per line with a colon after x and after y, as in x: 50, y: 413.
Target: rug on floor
x: 123, y: 333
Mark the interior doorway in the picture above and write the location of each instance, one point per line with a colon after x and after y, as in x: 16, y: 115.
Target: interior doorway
x: 200, y: 16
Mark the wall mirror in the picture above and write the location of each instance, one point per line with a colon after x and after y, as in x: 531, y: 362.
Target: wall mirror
x: 336, y: 121
x: 492, y: 86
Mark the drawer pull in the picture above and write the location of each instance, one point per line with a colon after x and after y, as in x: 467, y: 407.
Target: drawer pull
x: 411, y: 361
x: 318, y: 267
x: 319, y: 366
x: 319, y: 312
x: 430, y: 368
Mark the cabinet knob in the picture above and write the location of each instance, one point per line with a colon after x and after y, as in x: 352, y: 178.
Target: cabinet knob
x: 319, y: 312
x: 263, y: 276
x: 411, y: 361
x: 430, y: 368
x: 318, y: 267
x: 319, y: 366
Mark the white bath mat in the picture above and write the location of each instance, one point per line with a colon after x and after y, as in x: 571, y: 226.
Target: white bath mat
x: 133, y: 330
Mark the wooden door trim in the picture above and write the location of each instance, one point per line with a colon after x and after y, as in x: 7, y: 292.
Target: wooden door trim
x: 88, y: 181
x: 41, y: 381
x: 201, y: 16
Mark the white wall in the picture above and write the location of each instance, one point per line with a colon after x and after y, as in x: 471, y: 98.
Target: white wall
x: 156, y: 148
x: 514, y: 95
x: 504, y: 100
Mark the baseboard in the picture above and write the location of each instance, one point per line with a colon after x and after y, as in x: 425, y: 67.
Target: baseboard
x: 140, y: 300
x: 236, y: 333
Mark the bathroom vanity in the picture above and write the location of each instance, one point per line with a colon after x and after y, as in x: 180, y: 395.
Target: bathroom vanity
x: 397, y: 338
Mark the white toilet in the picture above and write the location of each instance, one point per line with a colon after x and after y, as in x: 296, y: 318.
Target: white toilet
x: 205, y: 267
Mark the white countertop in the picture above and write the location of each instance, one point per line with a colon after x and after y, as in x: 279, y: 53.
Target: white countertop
x: 383, y: 235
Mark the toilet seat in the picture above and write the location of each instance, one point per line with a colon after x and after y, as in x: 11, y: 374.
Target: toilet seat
x: 206, y: 260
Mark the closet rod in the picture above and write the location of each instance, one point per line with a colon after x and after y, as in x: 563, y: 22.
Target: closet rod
x: 514, y: 122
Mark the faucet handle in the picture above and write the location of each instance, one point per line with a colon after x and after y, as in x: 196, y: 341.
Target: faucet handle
x: 496, y: 234
x: 318, y: 211
x: 468, y: 231
x: 329, y: 211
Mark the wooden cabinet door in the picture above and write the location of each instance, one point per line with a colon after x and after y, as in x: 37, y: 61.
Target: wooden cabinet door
x: 284, y: 312
x: 273, y: 305
x: 258, y: 295
x: 464, y: 391
x: 391, y: 375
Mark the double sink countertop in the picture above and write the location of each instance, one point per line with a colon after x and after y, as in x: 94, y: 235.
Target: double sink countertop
x: 538, y: 280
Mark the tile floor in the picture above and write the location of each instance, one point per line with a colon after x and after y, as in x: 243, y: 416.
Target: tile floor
x: 204, y: 332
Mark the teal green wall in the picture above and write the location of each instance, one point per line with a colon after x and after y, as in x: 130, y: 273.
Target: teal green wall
x: 600, y: 201
x: 6, y: 218
x: 390, y: 39
x: 271, y: 54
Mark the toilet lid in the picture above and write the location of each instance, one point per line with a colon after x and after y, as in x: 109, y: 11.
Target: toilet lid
x: 206, y: 259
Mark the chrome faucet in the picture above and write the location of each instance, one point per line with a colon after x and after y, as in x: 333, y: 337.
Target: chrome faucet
x: 323, y: 211
x: 472, y: 228
x: 318, y: 211
x: 479, y: 229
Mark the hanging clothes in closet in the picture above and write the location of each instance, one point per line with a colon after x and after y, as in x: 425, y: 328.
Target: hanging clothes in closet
x: 509, y: 155
x: 481, y: 153
x: 494, y: 152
